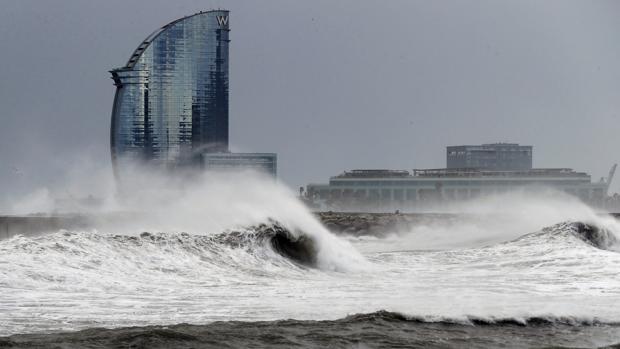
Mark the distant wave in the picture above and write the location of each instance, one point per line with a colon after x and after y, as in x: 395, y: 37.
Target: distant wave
x: 380, y: 329
x: 597, y: 236
x: 388, y: 316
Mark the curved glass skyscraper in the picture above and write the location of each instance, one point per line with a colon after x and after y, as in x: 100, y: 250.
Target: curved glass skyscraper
x: 171, y: 102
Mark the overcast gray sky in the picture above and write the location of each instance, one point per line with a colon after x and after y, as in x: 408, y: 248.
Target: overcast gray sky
x: 328, y: 85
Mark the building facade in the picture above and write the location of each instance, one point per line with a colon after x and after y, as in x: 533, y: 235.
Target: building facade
x: 266, y: 163
x: 171, y: 102
x: 404, y: 190
x: 496, y: 156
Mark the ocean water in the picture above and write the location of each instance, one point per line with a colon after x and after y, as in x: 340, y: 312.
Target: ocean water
x: 285, y: 281
x: 566, y: 274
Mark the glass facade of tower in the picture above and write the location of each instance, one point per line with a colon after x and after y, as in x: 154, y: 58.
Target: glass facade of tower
x: 171, y: 102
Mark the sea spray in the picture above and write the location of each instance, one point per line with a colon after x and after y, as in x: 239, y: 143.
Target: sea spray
x: 198, y: 203
x: 489, y: 220
x: 164, y: 266
x: 74, y: 280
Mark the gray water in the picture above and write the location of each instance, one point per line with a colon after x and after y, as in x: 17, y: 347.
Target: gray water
x: 70, y: 281
x: 525, y: 271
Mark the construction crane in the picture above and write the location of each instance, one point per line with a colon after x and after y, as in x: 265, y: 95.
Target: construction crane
x: 612, y: 171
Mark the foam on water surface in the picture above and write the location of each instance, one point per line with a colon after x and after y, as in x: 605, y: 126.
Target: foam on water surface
x: 189, y: 259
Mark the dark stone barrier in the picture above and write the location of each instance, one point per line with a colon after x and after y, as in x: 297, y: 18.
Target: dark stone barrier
x: 336, y: 222
x: 36, y: 225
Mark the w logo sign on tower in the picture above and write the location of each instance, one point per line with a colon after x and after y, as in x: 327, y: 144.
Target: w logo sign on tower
x: 222, y: 21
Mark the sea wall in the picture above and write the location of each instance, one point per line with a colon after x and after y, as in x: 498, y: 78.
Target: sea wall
x: 336, y: 222
x: 35, y: 225
x: 380, y: 223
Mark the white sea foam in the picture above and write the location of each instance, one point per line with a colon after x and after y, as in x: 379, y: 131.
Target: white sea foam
x: 75, y: 280
x: 492, y: 220
x: 205, y: 203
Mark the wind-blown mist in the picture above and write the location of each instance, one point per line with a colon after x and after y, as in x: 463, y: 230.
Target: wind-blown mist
x: 191, y: 202
x: 147, y: 200
x: 489, y: 220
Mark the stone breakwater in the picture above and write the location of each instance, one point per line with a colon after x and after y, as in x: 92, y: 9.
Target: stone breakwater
x: 350, y: 223
x: 33, y: 225
x: 336, y: 222
x: 361, y: 223
x: 379, y: 223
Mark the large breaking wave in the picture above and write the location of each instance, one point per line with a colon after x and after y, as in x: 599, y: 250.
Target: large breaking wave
x: 599, y: 237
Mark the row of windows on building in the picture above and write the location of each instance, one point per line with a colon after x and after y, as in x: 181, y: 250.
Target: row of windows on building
x: 586, y: 194
x: 568, y: 182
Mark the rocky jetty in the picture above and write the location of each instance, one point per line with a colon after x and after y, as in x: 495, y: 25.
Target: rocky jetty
x: 378, y: 223
x: 359, y: 223
x: 352, y: 223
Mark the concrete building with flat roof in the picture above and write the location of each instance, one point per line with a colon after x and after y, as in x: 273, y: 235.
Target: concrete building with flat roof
x: 472, y: 172
x: 419, y: 189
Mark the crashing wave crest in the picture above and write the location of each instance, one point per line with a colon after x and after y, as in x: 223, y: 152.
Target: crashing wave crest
x: 598, y: 237
x: 297, y: 246
x: 595, y: 235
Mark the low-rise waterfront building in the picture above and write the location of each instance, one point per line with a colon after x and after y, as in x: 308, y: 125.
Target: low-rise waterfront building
x: 472, y: 171
x: 389, y: 189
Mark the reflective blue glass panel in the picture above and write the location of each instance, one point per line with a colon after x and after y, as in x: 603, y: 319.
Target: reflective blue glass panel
x: 171, y: 102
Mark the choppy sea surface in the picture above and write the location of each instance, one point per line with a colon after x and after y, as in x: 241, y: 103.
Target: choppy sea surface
x: 274, y: 285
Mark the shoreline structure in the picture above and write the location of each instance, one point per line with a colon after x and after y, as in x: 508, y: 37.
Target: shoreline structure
x: 353, y: 223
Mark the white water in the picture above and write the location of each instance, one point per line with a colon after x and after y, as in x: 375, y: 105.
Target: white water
x: 492, y: 220
x: 75, y: 280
